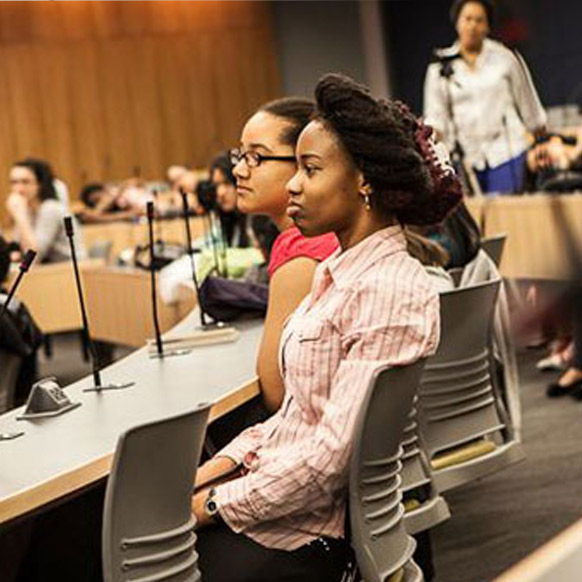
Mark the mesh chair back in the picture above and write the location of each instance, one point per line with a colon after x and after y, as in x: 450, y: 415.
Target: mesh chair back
x: 457, y: 398
x: 9, y: 369
x: 494, y: 246
x: 379, y: 538
x: 147, y: 520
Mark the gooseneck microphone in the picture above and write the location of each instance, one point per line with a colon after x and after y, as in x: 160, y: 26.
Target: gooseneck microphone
x: 160, y: 351
x: 150, y: 216
x: 23, y: 268
x: 190, y: 252
x: 98, y: 385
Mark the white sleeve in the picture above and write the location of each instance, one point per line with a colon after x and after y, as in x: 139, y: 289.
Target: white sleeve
x: 525, y: 95
x: 435, y: 101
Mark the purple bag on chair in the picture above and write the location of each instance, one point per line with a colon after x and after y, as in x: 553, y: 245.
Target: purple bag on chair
x: 228, y: 299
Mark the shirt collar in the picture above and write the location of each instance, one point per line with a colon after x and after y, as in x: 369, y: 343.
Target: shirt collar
x: 346, y: 266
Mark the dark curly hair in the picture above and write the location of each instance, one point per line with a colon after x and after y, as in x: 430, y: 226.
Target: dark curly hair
x: 392, y: 149
x: 222, y: 163
x: 298, y: 111
x: 44, y: 176
x: 488, y: 6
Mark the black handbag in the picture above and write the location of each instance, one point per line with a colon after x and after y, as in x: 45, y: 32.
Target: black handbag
x: 228, y: 299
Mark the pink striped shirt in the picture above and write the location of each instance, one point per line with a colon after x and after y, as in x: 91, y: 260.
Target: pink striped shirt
x: 372, y: 304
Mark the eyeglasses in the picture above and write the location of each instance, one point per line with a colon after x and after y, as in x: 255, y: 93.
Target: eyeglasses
x: 254, y: 159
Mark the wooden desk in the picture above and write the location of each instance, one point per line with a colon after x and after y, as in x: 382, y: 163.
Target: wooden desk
x: 536, y: 245
x: 50, y: 294
x: 61, y: 455
x: 119, y: 306
x: 559, y: 560
x: 118, y: 301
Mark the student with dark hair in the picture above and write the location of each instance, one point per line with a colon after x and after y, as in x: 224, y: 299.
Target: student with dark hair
x: 365, y: 167
x: 233, y: 223
x: 102, y: 204
x: 36, y: 212
x: 263, y: 165
x: 480, y: 94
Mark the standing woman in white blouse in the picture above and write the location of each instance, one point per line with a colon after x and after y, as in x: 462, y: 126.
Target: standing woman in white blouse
x: 480, y: 94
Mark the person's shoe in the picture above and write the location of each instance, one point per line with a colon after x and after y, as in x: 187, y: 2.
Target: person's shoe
x: 553, y: 362
x: 555, y: 390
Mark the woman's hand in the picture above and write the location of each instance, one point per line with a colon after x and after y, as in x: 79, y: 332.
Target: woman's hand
x: 198, y: 502
x: 16, y: 205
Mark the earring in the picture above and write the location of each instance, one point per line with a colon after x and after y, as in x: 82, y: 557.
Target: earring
x: 367, y: 201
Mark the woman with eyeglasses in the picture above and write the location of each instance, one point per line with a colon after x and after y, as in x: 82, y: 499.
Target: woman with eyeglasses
x: 365, y: 168
x: 263, y: 165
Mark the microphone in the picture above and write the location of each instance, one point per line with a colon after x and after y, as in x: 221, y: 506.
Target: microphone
x: 446, y: 57
x: 190, y: 252
x: 98, y: 385
x: 23, y: 268
x: 150, y: 217
x: 160, y: 353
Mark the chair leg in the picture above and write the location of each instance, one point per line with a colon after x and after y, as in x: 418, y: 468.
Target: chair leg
x: 423, y: 555
x: 47, y: 346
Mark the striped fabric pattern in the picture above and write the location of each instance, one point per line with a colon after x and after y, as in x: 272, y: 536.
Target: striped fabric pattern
x: 371, y: 305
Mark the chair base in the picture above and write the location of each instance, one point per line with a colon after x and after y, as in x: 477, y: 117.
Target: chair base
x: 455, y: 476
x: 428, y: 515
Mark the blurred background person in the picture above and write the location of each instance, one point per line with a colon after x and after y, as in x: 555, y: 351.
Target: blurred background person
x: 479, y: 96
x: 233, y: 223
x: 36, y: 213
x: 101, y: 204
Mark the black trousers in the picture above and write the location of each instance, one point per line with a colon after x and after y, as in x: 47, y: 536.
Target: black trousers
x: 229, y: 557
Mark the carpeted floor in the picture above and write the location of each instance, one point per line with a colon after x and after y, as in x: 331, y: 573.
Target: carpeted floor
x: 502, y: 518
x: 498, y: 520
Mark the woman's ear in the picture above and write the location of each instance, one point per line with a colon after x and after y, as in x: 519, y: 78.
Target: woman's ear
x: 364, y: 187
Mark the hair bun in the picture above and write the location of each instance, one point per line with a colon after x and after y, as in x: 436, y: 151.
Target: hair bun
x: 393, y: 149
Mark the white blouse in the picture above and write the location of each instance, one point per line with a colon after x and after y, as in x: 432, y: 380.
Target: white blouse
x: 493, y: 104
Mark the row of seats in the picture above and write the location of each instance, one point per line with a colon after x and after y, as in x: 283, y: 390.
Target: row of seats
x: 422, y: 430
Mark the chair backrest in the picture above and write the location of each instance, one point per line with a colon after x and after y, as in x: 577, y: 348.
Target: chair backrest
x: 494, y: 246
x: 9, y: 369
x: 457, y: 384
x: 379, y: 539
x: 147, y: 519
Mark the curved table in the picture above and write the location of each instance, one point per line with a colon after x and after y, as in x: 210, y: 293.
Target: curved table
x: 58, y: 456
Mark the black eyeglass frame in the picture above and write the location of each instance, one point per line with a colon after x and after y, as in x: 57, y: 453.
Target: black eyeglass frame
x: 256, y: 159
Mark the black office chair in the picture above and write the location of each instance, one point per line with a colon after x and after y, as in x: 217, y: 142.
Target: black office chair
x: 9, y: 370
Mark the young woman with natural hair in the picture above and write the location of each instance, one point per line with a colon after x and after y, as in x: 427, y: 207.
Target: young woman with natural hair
x: 365, y: 167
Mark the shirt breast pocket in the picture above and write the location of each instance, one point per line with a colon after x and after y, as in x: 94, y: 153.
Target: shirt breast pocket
x: 311, y: 332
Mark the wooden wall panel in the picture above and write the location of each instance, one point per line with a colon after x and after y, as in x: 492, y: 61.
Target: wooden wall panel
x: 101, y: 89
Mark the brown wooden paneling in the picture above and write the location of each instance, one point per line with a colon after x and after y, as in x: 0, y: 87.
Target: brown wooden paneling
x: 102, y: 88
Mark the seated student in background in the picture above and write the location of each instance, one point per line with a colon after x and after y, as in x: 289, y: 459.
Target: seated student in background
x: 364, y: 168
x: 101, y: 204
x: 19, y: 334
x: 233, y: 223
x: 263, y: 165
x: 36, y: 213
